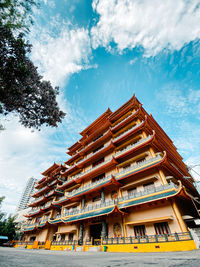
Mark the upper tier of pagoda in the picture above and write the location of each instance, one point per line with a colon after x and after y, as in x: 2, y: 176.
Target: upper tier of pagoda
x: 119, y: 127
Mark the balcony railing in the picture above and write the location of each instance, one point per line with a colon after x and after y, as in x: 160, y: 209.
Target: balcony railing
x: 49, y: 193
x: 89, y: 208
x: 94, y: 140
x: 40, y: 191
x: 46, y: 205
x: 37, y: 200
x: 91, y: 155
x: 147, y: 191
x: 141, y: 141
x: 148, y: 239
x: 96, y: 167
x: 59, y: 190
x: 127, y: 131
x: 33, y: 211
x: 53, y: 182
x: 43, y: 221
x: 123, y: 119
x: 138, y: 165
x: 74, y: 192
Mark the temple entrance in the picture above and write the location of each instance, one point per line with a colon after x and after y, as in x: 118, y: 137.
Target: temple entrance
x: 95, y: 233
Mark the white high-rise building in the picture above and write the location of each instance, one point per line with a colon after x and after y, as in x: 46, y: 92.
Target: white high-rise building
x: 26, y: 195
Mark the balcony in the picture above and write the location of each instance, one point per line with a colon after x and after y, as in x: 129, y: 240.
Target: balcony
x: 100, y: 151
x: 89, y: 186
x: 146, y: 192
x: 30, y: 227
x: 34, y: 211
x: 37, y: 201
x: 53, y: 182
x: 43, y: 190
x: 138, y: 166
x: 89, y: 208
x: 96, y: 141
x: 127, y: 131
x: 130, y: 147
x: 46, y: 206
x: 49, y: 193
x: 124, y: 121
x: 93, y: 169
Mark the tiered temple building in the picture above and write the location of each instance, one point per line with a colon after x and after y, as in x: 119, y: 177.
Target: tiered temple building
x: 125, y: 183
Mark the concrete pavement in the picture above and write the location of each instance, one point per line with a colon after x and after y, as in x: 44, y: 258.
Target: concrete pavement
x: 16, y: 257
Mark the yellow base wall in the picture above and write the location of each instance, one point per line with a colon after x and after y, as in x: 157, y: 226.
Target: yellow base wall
x: 154, y: 247
x: 148, y: 247
x: 61, y: 248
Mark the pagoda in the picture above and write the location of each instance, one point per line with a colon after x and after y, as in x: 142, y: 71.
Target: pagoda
x: 125, y: 187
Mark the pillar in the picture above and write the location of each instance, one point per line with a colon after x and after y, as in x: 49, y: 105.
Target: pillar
x: 162, y: 176
x: 103, y: 196
x: 179, y: 218
x: 80, y: 238
x: 83, y: 203
x: 103, y: 231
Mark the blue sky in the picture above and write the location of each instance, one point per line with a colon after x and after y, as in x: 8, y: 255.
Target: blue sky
x: 101, y: 52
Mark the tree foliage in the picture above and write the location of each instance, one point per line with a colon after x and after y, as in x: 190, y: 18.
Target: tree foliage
x: 8, y: 227
x: 17, y: 14
x: 22, y: 89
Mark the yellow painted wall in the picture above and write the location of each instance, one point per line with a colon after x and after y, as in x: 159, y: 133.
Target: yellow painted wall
x: 61, y: 248
x: 152, y: 212
x: 153, y: 247
x: 42, y: 235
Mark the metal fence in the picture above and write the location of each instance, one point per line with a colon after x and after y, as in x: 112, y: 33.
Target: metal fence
x: 148, y: 239
x: 64, y: 242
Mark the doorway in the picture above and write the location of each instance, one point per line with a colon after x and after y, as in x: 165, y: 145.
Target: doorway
x: 95, y: 233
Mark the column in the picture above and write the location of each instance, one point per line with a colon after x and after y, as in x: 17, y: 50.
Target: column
x: 103, y: 231
x: 83, y: 203
x: 102, y: 196
x: 80, y: 238
x: 179, y: 218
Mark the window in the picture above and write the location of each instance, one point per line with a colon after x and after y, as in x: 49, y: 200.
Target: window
x: 62, y: 237
x: 148, y: 186
x: 139, y: 230
x: 98, y: 162
x: 131, y: 191
x: 97, y: 178
x: 71, y: 236
x: 162, y: 228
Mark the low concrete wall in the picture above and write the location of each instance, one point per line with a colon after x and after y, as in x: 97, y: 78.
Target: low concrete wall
x: 153, y: 247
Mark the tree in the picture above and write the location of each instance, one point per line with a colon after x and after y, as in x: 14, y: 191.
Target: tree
x: 22, y: 89
x: 8, y: 227
x: 17, y: 14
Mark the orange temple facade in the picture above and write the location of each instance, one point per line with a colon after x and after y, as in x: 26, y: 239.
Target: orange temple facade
x: 124, y: 188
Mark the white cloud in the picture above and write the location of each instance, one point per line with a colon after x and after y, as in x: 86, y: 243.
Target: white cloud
x: 182, y: 111
x: 60, y: 50
x: 155, y: 25
x: 25, y: 153
x: 180, y: 103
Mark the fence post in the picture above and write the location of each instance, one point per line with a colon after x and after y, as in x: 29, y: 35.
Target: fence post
x: 176, y: 236
x: 166, y: 239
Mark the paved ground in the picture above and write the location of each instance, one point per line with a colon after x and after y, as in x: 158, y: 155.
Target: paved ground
x: 16, y: 257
